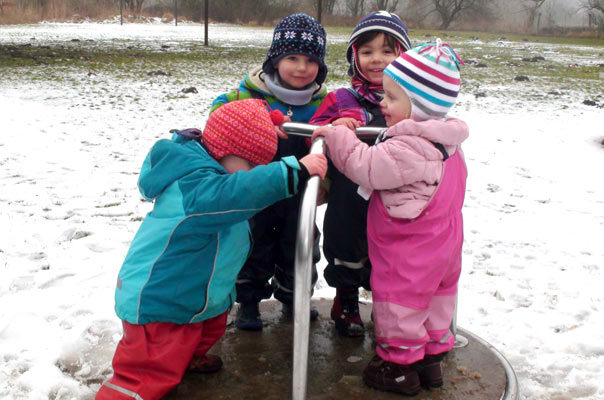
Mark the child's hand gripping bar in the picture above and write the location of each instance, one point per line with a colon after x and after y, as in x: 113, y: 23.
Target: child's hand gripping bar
x: 300, y: 129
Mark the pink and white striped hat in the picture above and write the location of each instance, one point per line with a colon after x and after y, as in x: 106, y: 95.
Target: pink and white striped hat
x: 429, y: 74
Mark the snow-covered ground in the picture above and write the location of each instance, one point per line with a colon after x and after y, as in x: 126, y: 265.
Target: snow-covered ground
x: 70, y: 154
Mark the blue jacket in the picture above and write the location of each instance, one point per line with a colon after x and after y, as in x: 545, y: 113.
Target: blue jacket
x: 183, y: 261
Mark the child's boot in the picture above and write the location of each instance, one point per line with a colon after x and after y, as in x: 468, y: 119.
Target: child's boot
x: 205, y: 365
x: 288, y: 310
x: 430, y: 374
x: 391, y: 377
x: 345, y: 312
x: 248, y: 317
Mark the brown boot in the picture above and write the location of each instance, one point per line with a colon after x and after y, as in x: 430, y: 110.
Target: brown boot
x: 391, y: 377
x: 430, y: 374
x: 205, y: 365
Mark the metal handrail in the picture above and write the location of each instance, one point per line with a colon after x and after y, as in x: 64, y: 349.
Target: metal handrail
x: 303, y: 279
x: 303, y: 258
x: 306, y: 130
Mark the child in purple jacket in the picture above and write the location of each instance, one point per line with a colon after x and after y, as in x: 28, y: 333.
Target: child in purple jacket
x: 375, y: 42
x: 415, y: 176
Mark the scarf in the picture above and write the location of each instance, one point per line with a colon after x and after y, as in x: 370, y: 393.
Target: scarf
x: 288, y: 96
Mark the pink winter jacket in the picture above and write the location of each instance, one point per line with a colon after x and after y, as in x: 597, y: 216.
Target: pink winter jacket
x: 406, y: 168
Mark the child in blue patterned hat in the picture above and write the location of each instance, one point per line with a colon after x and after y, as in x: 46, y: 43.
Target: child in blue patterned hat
x: 290, y: 80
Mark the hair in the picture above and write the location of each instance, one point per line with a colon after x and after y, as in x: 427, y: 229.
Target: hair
x: 370, y: 35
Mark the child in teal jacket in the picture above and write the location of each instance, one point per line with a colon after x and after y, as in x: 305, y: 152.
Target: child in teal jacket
x: 177, y: 282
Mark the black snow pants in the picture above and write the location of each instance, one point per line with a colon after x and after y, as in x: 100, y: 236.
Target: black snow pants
x: 274, y: 232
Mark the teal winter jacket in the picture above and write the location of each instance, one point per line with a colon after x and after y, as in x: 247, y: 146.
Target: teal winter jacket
x: 183, y: 261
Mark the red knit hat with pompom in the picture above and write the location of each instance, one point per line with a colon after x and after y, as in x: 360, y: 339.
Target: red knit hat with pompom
x: 243, y: 128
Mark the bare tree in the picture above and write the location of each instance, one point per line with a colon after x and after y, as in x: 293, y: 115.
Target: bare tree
x: 595, y: 10
x: 531, y: 7
x: 327, y: 6
x: 451, y: 10
x: 355, y: 7
x: 260, y: 11
x: 386, y: 5
x: 135, y: 6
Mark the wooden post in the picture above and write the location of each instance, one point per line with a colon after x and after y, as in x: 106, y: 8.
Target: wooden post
x: 176, y: 12
x: 320, y: 7
x: 206, y: 21
x: 121, y: 12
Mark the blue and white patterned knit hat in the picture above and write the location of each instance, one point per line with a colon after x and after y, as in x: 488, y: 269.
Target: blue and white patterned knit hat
x: 429, y: 74
x: 382, y: 21
x: 298, y: 34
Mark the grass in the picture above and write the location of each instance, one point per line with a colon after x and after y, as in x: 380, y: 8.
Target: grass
x: 105, y: 67
x: 514, y: 37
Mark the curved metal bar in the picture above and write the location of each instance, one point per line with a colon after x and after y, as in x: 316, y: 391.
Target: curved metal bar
x: 303, y: 258
x: 301, y: 129
x: 303, y: 279
x: 460, y: 340
x: 511, y: 391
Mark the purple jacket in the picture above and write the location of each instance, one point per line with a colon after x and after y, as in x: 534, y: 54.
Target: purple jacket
x: 341, y: 103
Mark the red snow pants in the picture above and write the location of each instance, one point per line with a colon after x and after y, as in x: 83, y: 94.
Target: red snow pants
x: 151, y: 359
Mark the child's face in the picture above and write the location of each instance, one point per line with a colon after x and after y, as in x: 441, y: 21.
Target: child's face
x: 374, y: 57
x: 297, y: 71
x: 396, y: 105
x: 233, y: 164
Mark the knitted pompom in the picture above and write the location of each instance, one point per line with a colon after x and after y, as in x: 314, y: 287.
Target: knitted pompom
x: 277, y: 117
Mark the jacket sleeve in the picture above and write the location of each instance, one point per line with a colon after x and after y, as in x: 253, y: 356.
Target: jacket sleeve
x: 398, y: 161
x: 236, y: 94
x: 328, y: 111
x: 339, y: 104
x: 225, y: 199
x: 219, y: 101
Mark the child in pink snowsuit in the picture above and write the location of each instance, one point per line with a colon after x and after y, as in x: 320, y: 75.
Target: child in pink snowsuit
x: 416, y: 177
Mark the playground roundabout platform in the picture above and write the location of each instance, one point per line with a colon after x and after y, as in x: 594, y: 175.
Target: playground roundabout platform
x: 258, y: 365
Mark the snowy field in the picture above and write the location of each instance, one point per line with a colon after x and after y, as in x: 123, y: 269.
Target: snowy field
x: 74, y: 131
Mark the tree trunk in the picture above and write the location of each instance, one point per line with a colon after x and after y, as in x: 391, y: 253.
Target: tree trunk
x: 449, y: 10
x: 446, y: 22
x: 355, y: 7
x: 387, y: 5
x: 530, y: 21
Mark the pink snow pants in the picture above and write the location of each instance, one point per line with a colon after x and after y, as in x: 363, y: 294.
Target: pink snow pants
x: 416, y: 265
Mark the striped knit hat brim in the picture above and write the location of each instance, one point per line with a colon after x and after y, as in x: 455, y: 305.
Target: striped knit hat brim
x: 379, y: 21
x: 429, y: 74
